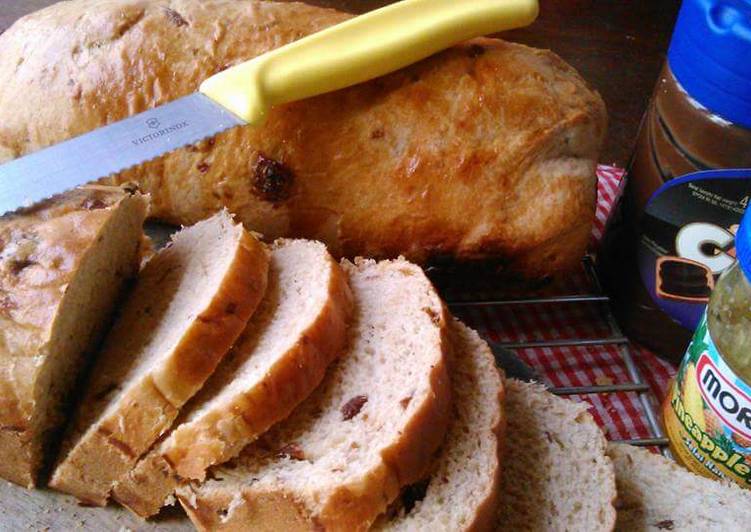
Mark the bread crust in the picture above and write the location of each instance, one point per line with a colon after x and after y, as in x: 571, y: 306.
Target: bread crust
x: 221, y: 434
x: 90, y: 465
x: 354, y: 506
x: 354, y: 503
x: 43, y: 250
x: 485, y: 516
x: 267, y: 512
x: 451, y: 157
x: 472, y: 366
x: 284, y: 386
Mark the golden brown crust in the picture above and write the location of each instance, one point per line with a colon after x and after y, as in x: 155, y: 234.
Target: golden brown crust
x: 42, y: 251
x: 104, y: 454
x: 485, y: 515
x: 219, y: 435
x: 215, y: 330
x: 410, y: 456
x: 88, y: 470
x: 145, y: 489
x: 283, y: 387
x: 353, y: 502
x: 453, y: 156
x: 461, y: 489
x: 350, y: 507
x: 21, y: 469
x: 355, y: 507
x: 266, y: 512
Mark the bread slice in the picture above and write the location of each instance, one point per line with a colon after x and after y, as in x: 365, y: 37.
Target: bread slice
x: 62, y: 267
x: 190, y: 303
x: 299, y: 328
x: 655, y: 493
x: 462, y: 491
x: 559, y: 477
x: 370, y: 428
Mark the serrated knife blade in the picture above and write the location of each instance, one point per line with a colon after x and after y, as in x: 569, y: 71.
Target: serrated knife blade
x: 343, y: 55
x: 111, y: 149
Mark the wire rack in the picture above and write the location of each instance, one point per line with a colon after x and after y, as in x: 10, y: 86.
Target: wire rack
x: 615, y: 337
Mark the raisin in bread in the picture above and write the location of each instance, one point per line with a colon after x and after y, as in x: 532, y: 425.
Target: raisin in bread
x: 190, y: 303
x: 298, y: 329
x: 369, y: 429
x: 462, y: 490
x: 62, y: 267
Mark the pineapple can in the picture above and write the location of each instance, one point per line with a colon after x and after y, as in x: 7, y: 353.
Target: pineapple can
x: 707, y: 413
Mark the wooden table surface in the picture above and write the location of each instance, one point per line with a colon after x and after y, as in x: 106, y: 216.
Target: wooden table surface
x: 617, y: 46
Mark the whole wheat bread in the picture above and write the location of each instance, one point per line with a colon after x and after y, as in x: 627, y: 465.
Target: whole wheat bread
x: 462, y: 490
x: 655, y: 493
x: 62, y: 267
x: 557, y: 476
x: 298, y: 329
x: 190, y: 303
x: 370, y: 428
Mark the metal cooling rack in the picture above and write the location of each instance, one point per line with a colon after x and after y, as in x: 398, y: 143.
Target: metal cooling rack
x: 615, y: 337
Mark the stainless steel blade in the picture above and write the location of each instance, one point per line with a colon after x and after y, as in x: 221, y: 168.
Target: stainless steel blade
x: 111, y: 149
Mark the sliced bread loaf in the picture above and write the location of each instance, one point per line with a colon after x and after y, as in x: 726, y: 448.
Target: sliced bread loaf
x: 298, y: 329
x: 655, y: 493
x: 191, y: 301
x: 462, y: 490
x: 369, y: 429
x: 62, y: 267
x: 557, y: 476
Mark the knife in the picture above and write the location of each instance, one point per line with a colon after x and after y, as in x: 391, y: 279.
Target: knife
x: 354, y: 51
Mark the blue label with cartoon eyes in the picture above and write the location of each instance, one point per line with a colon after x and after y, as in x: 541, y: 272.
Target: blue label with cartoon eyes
x: 686, y: 239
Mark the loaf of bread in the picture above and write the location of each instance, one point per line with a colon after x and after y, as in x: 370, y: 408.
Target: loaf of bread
x: 189, y: 304
x: 486, y: 150
x: 656, y: 494
x: 560, y: 478
x: 369, y: 429
x: 62, y: 267
x: 298, y: 329
x: 461, y: 493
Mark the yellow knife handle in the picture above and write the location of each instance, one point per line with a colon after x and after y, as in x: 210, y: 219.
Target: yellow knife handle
x: 360, y: 49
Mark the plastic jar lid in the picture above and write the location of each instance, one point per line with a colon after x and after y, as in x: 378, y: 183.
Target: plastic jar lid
x: 710, y: 55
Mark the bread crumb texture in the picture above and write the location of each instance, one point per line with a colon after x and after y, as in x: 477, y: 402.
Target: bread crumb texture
x: 559, y: 478
x: 343, y: 455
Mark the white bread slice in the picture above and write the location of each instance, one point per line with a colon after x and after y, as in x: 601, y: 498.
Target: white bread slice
x: 63, y: 265
x: 557, y: 476
x: 655, y: 493
x: 297, y: 331
x: 461, y: 493
x: 369, y: 429
x: 190, y: 303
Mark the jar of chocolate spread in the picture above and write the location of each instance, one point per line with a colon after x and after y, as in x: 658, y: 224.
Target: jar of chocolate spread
x: 673, y: 235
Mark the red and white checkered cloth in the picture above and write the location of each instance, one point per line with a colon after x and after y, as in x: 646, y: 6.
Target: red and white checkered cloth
x: 620, y: 414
